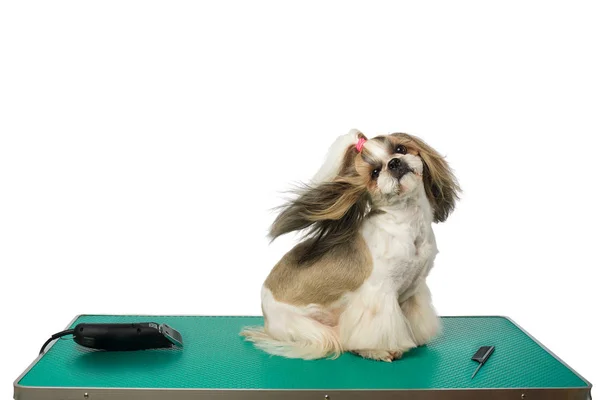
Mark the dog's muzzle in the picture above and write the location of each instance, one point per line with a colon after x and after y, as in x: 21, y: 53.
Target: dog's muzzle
x: 398, y: 168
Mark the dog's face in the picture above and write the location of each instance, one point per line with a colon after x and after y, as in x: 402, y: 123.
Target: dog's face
x: 361, y: 174
x: 391, y: 167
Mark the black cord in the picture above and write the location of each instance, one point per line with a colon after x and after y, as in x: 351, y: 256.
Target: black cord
x: 56, y: 336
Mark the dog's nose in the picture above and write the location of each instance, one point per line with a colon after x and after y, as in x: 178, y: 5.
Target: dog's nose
x: 394, y: 164
x: 398, y: 168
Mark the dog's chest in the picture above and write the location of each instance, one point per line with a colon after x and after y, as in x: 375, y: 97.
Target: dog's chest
x: 394, y: 243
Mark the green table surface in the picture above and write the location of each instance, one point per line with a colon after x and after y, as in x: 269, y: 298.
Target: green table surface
x: 216, y: 357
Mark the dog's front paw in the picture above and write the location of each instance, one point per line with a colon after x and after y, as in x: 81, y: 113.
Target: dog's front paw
x: 422, y: 318
x: 425, y: 329
x: 379, y: 355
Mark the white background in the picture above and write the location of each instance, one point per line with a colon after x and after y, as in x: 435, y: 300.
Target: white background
x: 143, y: 144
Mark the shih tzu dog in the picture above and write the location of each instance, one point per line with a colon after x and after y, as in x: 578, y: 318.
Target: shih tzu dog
x: 357, y: 282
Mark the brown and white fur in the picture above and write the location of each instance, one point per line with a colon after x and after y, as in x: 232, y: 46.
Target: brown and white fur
x: 358, y: 281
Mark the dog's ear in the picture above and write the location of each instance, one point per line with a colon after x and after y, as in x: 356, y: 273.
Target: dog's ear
x: 441, y: 186
x: 332, y: 207
x: 331, y: 212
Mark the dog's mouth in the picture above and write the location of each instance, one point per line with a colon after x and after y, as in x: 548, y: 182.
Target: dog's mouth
x: 409, y: 172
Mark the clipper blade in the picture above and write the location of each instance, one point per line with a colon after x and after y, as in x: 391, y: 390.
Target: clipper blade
x: 171, y: 334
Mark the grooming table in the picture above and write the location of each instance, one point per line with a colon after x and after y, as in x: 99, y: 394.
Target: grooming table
x: 216, y: 363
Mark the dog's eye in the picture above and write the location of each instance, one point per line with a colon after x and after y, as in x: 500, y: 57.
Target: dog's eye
x: 401, y: 149
x: 375, y: 174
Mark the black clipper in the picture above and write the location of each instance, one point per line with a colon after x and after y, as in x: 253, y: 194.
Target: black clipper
x: 127, y: 337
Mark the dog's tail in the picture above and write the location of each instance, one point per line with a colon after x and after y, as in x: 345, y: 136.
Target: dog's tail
x: 317, y: 341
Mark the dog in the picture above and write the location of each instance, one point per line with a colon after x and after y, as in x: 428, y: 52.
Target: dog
x: 357, y: 282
